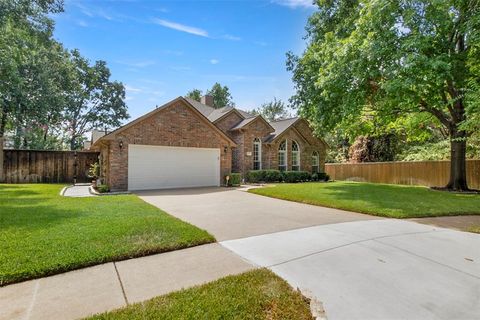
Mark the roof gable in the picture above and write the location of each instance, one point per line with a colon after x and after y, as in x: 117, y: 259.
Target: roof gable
x: 186, y: 102
x: 246, y: 122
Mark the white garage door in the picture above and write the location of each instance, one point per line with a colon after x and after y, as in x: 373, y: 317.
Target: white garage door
x: 156, y: 167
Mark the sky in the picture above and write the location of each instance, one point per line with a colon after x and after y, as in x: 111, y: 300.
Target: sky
x: 162, y: 49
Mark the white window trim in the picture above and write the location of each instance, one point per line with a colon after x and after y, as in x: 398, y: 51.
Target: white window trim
x: 285, y: 152
x: 298, y: 155
x: 316, y: 162
x: 258, y: 142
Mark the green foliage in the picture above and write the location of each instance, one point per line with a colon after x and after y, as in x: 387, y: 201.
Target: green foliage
x: 194, y: 94
x: 221, y: 96
x: 92, y: 99
x: 386, y: 200
x: 103, y: 188
x: 374, y: 148
x: 94, y: 170
x: 40, y: 228
x: 235, y: 179
x: 270, y: 175
x: 273, y: 110
x: 375, y: 62
x: 253, y: 295
x: 296, y: 176
x: 45, y: 90
x: 320, y: 176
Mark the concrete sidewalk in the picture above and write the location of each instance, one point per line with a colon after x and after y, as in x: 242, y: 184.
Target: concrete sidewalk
x: 84, y: 292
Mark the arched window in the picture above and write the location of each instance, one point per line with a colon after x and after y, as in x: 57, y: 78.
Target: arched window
x: 257, y: 154
x: 295, y: 156
x: 282, y: 156
x: 315, y: 162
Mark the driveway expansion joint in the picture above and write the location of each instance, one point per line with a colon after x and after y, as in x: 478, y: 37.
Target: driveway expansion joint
x: 428, y: 259
x: 121, y: 284
x: 349, y: 244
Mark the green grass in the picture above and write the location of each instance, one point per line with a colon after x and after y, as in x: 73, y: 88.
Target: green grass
x: 475, y: 229
x: 387, y: 200
x: 43, y: 233
x: 257, y: 294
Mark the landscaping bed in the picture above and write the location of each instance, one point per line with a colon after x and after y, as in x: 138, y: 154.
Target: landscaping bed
x: 257, y: 294
x: 387, y: 200
x: 43, y: 233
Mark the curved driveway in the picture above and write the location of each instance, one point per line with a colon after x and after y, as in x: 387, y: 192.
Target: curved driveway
x: 359, y: 266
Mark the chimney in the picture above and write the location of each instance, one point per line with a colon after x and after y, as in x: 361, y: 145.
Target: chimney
x: 207, y: 99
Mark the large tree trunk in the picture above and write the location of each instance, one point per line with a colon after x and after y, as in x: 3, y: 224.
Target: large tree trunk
x: 458, y: 163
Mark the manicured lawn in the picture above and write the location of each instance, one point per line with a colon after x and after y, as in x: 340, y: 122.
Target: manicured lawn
x: 257, y: 294
x: 386, y: 200
x: 475, y: 229
x: 43, y: 233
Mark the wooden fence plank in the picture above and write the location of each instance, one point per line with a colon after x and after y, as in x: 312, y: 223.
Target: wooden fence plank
x: 34, y: 166
x: 428, y: 173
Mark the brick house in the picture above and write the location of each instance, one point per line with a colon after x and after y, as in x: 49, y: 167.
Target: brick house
x: 186, y: 143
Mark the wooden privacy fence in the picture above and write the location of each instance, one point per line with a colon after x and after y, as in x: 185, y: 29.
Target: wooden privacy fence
x: 427, y: 173
x: 30, y: 166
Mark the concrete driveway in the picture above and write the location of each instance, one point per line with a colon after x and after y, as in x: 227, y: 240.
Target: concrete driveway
x: 360, y: 267
x: 232, y: 214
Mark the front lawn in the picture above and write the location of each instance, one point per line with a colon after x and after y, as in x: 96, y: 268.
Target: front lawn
x: 387, y: 200
x: 257, y: 294
x: 43, y: 233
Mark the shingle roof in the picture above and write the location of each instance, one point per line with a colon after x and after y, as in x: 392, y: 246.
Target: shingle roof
x: 214, y: 114
x: 244, y: 122
x: 280, y: 126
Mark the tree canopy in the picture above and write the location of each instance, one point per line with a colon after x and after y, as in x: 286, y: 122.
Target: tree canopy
x: 49, y: 95
x: 388, y: 60
x: 273, y: 110
x: 221, y: 96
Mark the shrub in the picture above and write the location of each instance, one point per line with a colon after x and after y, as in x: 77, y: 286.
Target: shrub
x: 254, y: 176
x: 94, y: 170
x: 102, y: 188
x: 296, y: 176
x: 273, y: 176
x: 320, y: 176
x: 235, y: 179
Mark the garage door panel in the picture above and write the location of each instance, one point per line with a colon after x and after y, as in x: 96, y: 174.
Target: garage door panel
x: 158, y: 167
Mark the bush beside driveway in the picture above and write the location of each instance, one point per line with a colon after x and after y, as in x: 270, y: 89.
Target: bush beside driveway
x: 43, y: 233
x: 386, y: 200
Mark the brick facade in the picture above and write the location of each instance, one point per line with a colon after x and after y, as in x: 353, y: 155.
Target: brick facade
x: 180, y: 124
x: 177, y: 125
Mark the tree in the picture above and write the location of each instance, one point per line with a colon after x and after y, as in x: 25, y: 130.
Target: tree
x: 221, y: 96
x: 32, y: 66
x: 92, y: 99
x: 392, y: 58
x: 195, y: 94
x: 273, y: 110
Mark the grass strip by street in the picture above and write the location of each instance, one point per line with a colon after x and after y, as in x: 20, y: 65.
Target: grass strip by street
x: 43, y: 233
x: 257, y: 294
x: 386, y: 200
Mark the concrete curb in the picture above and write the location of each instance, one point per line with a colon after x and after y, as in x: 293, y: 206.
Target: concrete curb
x: 316, y: 306
x: 62, y: 192
x: 96, y: 193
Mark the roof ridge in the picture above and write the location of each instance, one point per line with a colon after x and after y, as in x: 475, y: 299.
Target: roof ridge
x: 291, y: 118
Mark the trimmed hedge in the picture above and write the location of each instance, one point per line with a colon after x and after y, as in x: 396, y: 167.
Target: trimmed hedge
x: 320, y: 176
x: 235, y: 179
x: 296, y: 176
x: 255, y: 176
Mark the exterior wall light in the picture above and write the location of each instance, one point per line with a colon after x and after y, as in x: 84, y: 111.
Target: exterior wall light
x: 120, y: 144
